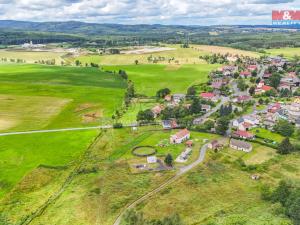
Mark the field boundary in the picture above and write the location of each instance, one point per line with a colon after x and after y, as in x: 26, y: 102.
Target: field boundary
x: 39, y: 211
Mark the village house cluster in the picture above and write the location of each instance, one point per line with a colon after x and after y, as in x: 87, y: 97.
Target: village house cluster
x: 253, y: 93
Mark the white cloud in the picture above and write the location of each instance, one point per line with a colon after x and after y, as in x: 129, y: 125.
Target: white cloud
x: 186, y: 12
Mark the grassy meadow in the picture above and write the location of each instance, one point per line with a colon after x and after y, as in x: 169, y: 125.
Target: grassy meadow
x: 98, y: 196
x: 55, y: 97
x: 286, y: 52
x: 150, y: 78
x: 219, y: 191
x: 21, y: 154
x: 179, y: 55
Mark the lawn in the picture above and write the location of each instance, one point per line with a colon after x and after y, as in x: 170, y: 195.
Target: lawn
x: 258, y: 155
x: 30, y: 56
x: 23, y: 153
x: 163, y: 137
x: 71, y: 96
x: 286, y: 52
x: 131, y: 113
x: 150, y: 78
x: 267, y: 134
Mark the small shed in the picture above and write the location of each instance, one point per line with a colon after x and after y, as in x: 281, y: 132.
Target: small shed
x: 189, y: 143
x: 151, y: 159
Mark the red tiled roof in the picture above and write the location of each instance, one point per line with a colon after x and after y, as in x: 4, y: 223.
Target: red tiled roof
x: 244, y: 134
x: 245, y: 73
x: 266, y: 88
x: 189, y: 142
x: 252, y: 67
x: 182, y: 133
x: 207, y: 95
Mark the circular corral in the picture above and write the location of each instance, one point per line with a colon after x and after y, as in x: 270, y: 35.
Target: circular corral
x: 143, y: 151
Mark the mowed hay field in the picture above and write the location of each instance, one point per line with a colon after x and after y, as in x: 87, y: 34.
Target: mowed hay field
x: 36, y: 96
x: 286, y: 52
x: 150, y: 78
x: 28, y: 113
x: 31, y: 56
x: 180, y: 55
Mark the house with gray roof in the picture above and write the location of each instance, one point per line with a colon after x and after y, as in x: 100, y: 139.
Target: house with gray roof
x: 240, y: 145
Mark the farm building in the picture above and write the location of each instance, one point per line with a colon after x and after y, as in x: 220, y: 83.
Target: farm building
x: 180, y: 136
x: 243, y: 134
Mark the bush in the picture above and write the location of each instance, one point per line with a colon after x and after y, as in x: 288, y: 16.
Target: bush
x: 117, y: 125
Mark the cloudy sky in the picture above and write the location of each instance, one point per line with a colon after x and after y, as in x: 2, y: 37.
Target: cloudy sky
x: 185, y: 12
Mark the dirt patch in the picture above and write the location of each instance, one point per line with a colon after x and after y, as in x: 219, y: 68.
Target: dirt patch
x: 84, y: 106
x: 7, y: 124
x: 147, y: 49
x: 92, y: 116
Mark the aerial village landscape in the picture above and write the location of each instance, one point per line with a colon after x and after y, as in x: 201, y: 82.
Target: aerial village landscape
x: 149, y: 113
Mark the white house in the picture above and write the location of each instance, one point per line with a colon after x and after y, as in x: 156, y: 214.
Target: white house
x: 180, y: 136
x: 178, y: 97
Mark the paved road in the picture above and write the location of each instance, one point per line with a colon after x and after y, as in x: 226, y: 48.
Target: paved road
x: 224, y: 100
x: 182, y: 171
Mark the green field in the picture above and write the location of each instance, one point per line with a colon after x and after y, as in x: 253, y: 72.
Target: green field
x: 218, y: 191
x: 28, y: 113
x: 57, y: 96
x: 100, y: 179
x: 286, y: 52
x: 180, y: 55
x: 21, y: 154
x: 98, y: 197
x: 150, y: 78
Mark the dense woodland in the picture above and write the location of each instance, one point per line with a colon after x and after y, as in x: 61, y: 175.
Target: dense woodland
x: 109, y: 35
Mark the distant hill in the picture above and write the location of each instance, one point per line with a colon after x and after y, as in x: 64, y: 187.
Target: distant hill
x: 110, y: 35
x: 74, y: 27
